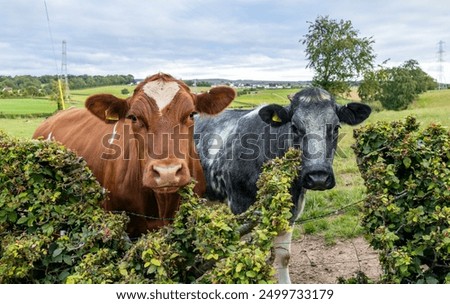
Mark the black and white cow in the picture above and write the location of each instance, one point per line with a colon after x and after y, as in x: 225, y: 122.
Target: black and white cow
x: 234, y: 145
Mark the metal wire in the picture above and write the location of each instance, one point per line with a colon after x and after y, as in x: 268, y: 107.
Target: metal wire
x: 144, y: 216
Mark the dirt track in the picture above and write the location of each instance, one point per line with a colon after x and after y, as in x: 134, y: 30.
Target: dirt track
x: 312, y: 261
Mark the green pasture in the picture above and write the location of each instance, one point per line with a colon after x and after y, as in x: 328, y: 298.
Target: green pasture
x: 260, y: 97
x: 332, y: 214
x: 250, y: 100
x: 430, y: 107
x: 26, y: 106
x: 79, y: 96
x: 20, y: 127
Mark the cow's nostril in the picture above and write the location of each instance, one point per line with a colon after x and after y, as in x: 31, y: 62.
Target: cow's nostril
x: 179, y: 171
x: 156, y: 172
x: 319, y: 180
x: 167, y: 174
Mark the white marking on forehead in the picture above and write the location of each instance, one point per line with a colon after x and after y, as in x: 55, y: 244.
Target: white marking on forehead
x: 319, y: 95
x: 162, y: 92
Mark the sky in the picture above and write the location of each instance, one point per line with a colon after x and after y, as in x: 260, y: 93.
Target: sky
x: 197, y: 39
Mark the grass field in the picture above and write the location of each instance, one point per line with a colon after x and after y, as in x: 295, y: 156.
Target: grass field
x: 22, y: 106
x: 79, y: 96
x: 340, y: 203
x: 24, y: 127
x: 268, y: 96
x: 20, y: 127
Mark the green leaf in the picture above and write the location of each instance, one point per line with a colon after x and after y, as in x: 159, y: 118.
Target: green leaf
x: 123, y: 272
x: 63, y: 275
x: 239, y: 267
x: 155, y: 262
x: 431, y: 280
x: 48, y: 229
x: 251, y: 274
x: 407, y: 162
x: 57, y: 252
x: 68, y: 260
x: 151, y: 269
x: 12, y: 217
x: 22, y: 220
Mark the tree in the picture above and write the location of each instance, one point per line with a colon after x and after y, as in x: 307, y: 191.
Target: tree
x: 395, y: 87
x: 336, y: 53
x: 399, y: 89
x: 369, y: 88
x: 424, y: 82
x: 31, y: 91
x: 203, y: 84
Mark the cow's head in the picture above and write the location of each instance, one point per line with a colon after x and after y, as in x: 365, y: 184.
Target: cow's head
x: 159, y: 118
x: 314, y: 119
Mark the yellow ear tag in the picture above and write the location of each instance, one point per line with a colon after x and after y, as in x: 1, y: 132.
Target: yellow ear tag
x: 112, y: 116
x: 276, y: 118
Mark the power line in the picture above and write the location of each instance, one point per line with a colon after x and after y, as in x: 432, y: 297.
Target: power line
x: 441, y: 80
x: 61, y: 105
x: 64, y: 70
x: 51, y: 36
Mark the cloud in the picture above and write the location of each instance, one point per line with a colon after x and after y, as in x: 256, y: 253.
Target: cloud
x: 229, y: 39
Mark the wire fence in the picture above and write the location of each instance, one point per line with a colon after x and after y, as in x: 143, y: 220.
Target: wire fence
x: 313, y: 261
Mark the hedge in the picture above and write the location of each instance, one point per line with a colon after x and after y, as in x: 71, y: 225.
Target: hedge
x: 50, y: 215
x: 406, y: 213
x: 54, y: 230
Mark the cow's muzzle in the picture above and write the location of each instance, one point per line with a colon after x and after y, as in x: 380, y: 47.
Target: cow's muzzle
x: 318, y: 180
x: 166, y: 177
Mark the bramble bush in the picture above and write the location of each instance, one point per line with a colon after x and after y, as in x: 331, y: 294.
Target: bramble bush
x: 406, y: 213
x: 53, y: 229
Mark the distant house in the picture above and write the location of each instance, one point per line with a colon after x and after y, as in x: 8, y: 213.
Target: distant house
x: 7, y: 90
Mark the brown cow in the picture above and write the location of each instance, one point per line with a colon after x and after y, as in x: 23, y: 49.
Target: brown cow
x: 141, y: 149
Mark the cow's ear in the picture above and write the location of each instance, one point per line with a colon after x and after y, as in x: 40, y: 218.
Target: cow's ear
x: 107, y: 107
x: 275, y: 115
x: 215, y: 101
x: 353, y: 113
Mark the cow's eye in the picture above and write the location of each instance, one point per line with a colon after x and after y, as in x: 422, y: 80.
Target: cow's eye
x: 133, y: 118
x: 190, y: 117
